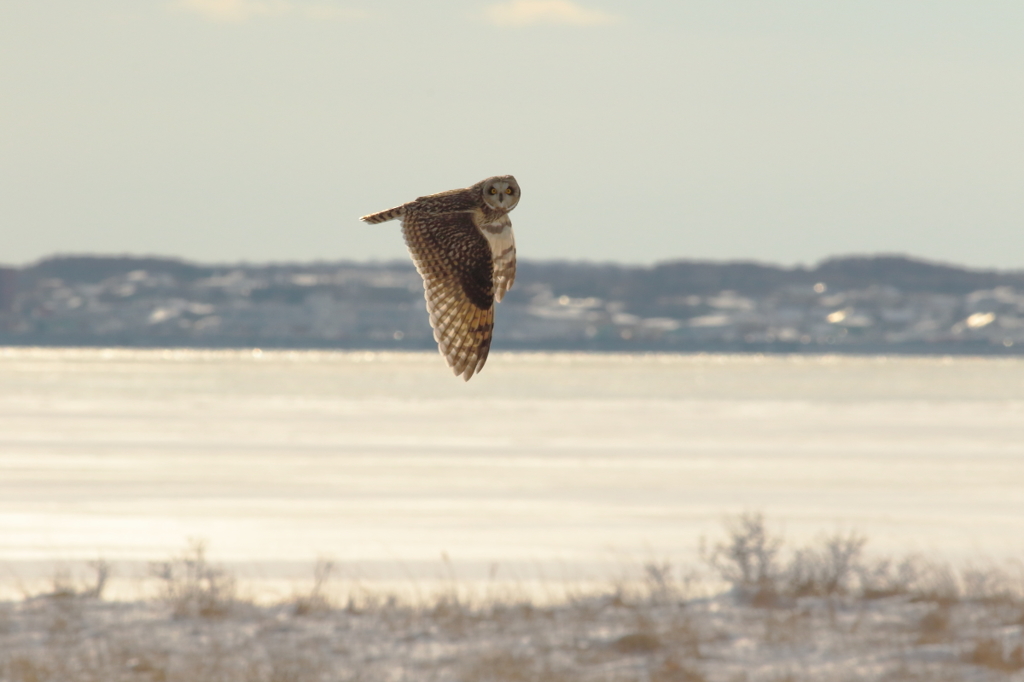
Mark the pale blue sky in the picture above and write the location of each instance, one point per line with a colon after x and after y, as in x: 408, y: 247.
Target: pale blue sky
x: 786, y: 132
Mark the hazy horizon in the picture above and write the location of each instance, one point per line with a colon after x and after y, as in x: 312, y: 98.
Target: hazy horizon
x: 404, y: 260
x: 256, y: 130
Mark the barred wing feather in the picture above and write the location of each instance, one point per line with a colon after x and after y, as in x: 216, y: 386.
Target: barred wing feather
x: 454, y: 259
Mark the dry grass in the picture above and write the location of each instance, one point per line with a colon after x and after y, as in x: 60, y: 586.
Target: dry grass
x: 316, y: 603
x: 997, y: 655
x: 935, y: 625
x: 751, y: 559
x: 193, y: 587
x: 748, y: 559
x: 820, y: 612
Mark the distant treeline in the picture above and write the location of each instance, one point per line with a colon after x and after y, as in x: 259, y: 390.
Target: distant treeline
x: 629, y: 283
x: 851, y: 304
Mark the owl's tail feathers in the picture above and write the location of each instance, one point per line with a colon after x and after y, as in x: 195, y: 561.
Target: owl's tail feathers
x: 384, y: 216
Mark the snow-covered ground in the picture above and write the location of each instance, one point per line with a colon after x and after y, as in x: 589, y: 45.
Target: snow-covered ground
x: 822, y: 614
x: 541, y: 482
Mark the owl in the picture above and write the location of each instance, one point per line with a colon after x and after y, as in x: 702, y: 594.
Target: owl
x: 461, y: 242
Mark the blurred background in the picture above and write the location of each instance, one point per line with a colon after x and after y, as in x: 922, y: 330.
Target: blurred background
x: 771, y: 272
x: 259, y: 130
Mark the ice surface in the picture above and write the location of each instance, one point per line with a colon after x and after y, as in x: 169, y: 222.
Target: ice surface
x: 555, y: 465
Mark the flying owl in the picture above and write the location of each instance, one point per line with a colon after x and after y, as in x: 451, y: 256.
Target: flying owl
x: 461, y: 242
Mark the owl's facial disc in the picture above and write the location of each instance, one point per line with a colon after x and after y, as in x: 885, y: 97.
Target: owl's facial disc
x: 501, y: 194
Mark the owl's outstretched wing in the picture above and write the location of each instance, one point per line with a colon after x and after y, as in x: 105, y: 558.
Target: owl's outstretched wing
x: 455, y: 261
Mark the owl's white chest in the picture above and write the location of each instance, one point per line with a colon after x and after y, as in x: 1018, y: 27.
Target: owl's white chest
x: 499, y: 235
x: 503, y: 253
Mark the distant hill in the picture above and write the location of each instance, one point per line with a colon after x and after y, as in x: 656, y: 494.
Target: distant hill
x: 850, y: 304
x: 95, y: 269
x: 608, y: 281
x: 749, y: 278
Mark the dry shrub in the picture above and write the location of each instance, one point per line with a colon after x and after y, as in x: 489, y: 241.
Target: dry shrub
x: 66, y: 586
x: 642, y: 642
x: 935, y: 626
x: 316, y: 603
x: 920, y: 672
x: 914, y: 577
x: 508, y: 666
x: 748, y: 559
x: 519, y: 611
x: 673, y: 670
x: 289, y: 664
x: 827, y: 569
x: 203, y: 652
x: 684, y: 636
x: 991, y: 653
x: 992, y: 585
x: 453, y: 616
x: 25, y: 669
x: 147, y: 666
x: 787, y: 626
x: 64, y: 660
x: 937, y: 583
x: 217, y: 659
x: 193, y: 587
x: 62, y: 608
x: 885, y: 578
x: 661, y: 587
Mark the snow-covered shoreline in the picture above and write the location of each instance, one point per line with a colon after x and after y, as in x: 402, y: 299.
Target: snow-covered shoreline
x: 614, y: 636
x: 817, y: 612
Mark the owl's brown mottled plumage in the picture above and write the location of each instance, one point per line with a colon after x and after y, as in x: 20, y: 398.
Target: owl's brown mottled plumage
x: 462, y: 244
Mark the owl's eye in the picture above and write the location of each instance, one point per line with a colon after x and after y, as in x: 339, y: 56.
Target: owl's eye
x: 494, y: 191
x: 508, y: 191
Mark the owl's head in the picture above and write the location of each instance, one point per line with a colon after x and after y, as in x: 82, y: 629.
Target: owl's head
x: 501, y: 192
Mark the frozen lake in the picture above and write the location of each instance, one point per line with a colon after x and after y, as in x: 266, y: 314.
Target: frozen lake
x: 560, y: 465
